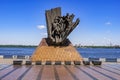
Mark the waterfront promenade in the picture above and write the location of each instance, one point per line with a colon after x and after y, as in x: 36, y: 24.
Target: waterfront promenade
x: 106, y: 71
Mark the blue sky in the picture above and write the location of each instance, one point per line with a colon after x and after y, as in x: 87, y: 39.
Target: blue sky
x: 22, y: 22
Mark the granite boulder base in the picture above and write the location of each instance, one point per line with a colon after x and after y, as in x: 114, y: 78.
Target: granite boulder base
x: 44, y: 53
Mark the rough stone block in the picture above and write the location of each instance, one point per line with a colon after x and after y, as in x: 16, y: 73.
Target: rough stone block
x: 57, y: 62
x: 17, y: 62
x: 67, y: 62
x: 38, y: 62
x: 96, y: 62
x: 28, y: 62
x: 77, y: 62
x: 86, y: 62
x: 48, y: 63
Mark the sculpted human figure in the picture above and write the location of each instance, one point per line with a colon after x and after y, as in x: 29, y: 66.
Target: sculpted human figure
x: 56, y: 30
x: 59, y: 27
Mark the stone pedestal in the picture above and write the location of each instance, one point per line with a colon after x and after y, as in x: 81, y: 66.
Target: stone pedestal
x: 55, y: 53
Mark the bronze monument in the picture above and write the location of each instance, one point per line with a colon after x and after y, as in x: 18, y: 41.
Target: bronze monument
x: 56, y: 47
x: 59, y: 27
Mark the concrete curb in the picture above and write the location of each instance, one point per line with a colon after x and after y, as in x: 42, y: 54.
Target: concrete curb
x: 103, y: 59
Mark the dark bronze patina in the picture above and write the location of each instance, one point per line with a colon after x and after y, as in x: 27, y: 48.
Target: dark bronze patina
x: 59, y: 27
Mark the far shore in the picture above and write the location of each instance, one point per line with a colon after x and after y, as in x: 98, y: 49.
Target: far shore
x: 98, y: 47
x: 34, y: 46
x: 24, y: 46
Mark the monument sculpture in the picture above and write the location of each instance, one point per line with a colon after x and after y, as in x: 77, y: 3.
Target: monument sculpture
x: 59, y: 27
x: 56, y: 47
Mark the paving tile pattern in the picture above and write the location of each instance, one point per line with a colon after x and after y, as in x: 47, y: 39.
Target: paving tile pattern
x: 60, y: 72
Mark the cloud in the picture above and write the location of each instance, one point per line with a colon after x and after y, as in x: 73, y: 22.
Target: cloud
x: 108, y: 23
x: 41, y: 27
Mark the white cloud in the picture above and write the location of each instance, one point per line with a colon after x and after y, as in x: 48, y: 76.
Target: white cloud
x: 41, y: 27
x: 108, y: 23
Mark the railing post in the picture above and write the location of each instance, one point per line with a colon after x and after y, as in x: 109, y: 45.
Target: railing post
x: 102, y: 59
x: 27, y: 57
x: 1, y: 56
x: 14, y: 56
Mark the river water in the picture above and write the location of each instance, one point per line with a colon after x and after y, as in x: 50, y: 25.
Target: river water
x: 85, y: 52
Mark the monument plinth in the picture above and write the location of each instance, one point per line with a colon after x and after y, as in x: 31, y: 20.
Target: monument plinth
x: 56, y: 47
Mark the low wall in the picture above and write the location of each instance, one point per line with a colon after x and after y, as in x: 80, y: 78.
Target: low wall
x: 103, y: 59
x: 15, y: 57
x: 11, y: 58
x: 27, y: 57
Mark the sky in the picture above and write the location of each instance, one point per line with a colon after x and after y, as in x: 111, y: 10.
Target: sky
x: 22, y: 22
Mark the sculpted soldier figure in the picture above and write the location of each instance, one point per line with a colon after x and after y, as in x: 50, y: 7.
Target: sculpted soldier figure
x: 59, y: 27
x: 56, y: 30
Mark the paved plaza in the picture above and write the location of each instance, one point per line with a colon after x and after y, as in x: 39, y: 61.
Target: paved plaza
x: 107, y: 71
